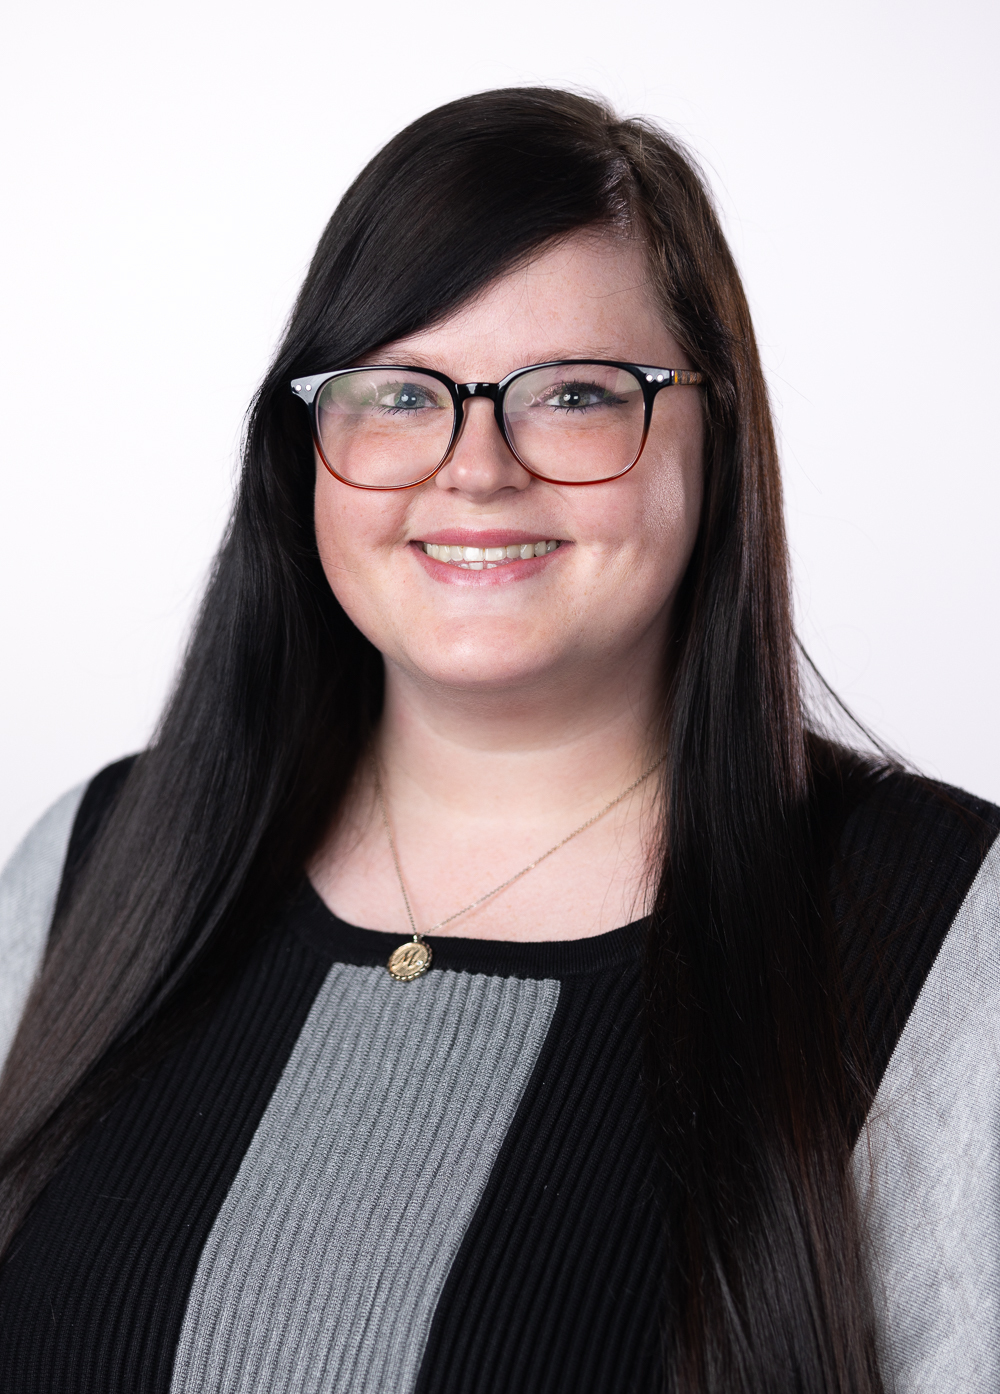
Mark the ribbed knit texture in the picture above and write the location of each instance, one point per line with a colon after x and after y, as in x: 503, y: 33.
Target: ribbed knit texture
x: 93, y: 1291
x: 324, y: 1267
x: 557, y: 1287
x: 928, y: 1167
x: 908, y: 855
x: 341, y: 1183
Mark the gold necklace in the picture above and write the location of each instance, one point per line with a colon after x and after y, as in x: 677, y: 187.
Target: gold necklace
x: 412, y: 959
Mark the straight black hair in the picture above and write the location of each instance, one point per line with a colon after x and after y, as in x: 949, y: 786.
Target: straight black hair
x: 764, y: 1280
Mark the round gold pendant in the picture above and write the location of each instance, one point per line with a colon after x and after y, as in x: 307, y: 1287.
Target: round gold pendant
x: 411, y: 960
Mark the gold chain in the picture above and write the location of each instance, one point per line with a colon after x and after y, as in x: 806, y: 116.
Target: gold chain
x: 417, y: 935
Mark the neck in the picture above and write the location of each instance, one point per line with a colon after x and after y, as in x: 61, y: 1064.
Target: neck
x: 480, y: 784
x: 542, y: 752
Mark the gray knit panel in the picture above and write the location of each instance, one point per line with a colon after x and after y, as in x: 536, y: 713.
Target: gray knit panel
x: 29, y: 884
x: 328, y: 1256
x: 928, y: 1167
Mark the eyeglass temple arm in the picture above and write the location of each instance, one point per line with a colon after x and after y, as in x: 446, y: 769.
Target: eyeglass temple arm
x: 672, y: 377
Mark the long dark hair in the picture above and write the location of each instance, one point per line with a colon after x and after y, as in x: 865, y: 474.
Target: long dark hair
x: 278, y: 694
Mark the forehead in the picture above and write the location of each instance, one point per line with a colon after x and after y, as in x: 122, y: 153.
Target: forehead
x: 590, y: 294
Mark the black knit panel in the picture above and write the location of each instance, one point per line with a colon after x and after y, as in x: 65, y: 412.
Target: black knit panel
x: 556, y: 1286
x: 94, y: 1287
x: 908, y: 856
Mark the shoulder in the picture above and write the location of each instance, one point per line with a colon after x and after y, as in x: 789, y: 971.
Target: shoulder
x: 38, y: 877
x: 907, y: 838
x: 929, y: 828
x: 910, y: 852
x: 927, y: 1164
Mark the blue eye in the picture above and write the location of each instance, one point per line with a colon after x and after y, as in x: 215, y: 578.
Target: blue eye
x: 405, y: 397
x: 580, y: 396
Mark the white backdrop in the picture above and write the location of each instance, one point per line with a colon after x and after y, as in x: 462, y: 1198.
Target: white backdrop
x: 167, y: 170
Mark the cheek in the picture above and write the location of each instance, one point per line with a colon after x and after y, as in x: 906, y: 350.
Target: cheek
x: 651, y: 516
x: 652, y: 525
x: 674, y: 482
x: 355, y: 533
x: 676, y: 507
x: 336, y: 525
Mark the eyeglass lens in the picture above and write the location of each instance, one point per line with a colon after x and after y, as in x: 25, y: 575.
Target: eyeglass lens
x: 576, y: 421
x: 383, y: 429
x: 572, y: 422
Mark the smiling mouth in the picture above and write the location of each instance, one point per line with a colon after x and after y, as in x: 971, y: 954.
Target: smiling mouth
x: 486, y: 558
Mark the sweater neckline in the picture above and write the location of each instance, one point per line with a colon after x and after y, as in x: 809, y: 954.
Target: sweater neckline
x: 342, y: 942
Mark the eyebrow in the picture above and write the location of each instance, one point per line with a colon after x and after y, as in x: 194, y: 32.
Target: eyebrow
x: 423, y: 360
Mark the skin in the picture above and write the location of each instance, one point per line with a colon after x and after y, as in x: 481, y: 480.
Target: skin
x: 518, y: 701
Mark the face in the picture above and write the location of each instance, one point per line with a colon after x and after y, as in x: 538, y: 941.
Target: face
x: 598, y: 602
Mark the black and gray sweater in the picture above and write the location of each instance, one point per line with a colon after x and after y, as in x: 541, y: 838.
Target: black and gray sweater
x: 343, y: 1183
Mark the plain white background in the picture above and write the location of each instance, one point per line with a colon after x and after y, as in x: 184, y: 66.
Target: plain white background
x: 168, y: 169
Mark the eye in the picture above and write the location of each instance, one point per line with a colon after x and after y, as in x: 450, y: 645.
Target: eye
x: 579, y: 396
x: 397, y: 397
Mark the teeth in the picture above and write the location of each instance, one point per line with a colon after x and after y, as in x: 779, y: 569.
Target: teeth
x: 488, y: 558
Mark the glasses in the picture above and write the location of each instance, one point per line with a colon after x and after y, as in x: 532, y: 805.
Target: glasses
x: 573, y: 421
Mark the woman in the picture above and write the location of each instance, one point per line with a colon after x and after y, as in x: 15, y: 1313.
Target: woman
x: 512, y: 684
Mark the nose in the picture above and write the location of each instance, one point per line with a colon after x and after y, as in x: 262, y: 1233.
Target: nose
x: 481, y: 463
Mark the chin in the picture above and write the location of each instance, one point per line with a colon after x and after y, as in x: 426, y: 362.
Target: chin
x: 495, y: 664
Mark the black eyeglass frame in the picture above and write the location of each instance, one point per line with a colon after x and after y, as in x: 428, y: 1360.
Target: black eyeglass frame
x: 651, y: 381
